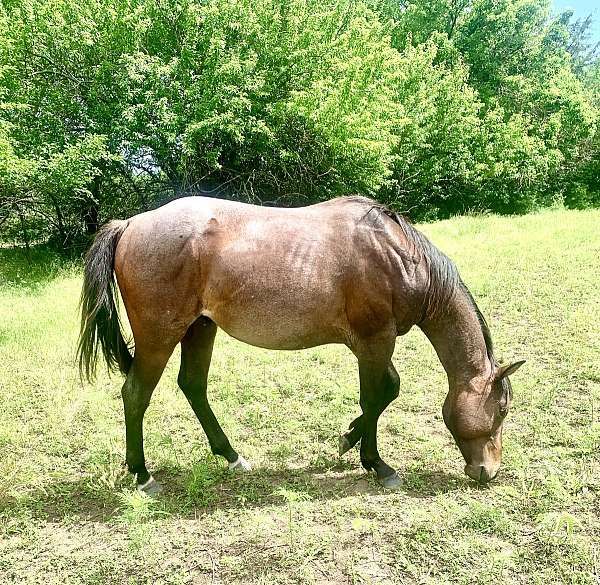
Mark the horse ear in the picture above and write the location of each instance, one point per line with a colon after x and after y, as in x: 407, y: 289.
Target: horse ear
x: 504, y: 371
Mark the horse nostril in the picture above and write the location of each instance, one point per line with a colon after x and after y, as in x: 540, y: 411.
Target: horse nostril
x: 479, y: 473
x: 484, y: 476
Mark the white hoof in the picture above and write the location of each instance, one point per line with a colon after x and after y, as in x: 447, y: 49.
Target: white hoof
x: 391, y: 482
x: 240, y: 464
x: 150, y: 488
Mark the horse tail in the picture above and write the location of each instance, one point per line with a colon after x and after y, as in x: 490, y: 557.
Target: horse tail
x: 100, y: 323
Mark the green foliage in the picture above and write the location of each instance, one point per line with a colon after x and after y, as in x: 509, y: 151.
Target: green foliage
x: 438, y: 123
x: 270, y: 96
x: 109, y: 107
x: 522, y: 119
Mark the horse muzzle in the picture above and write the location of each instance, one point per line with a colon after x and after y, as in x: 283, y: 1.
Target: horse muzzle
x: 481, y: 473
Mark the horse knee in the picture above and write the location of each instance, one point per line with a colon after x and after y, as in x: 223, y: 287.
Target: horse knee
x: 392, y: 386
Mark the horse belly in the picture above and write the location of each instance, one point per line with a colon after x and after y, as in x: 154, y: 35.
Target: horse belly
x: 284, y: 320
x: 276, y: 286
x: 278, y: 336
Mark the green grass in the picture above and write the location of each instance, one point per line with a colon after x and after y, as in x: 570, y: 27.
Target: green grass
x: 68, y: 513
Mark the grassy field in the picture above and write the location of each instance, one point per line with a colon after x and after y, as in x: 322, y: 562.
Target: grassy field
x: 68, y: 513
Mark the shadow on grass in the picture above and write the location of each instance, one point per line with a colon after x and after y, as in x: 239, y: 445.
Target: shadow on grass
x: 186, y: 497
x: 61, y: 499
x: 33, y: 272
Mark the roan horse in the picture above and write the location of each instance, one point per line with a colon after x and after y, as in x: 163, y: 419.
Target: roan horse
x: 345, y: 271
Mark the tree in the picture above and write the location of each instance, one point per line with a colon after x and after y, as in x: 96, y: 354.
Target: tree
x: 283, y: 98
x: 520, y: 121
x: 108, y: 107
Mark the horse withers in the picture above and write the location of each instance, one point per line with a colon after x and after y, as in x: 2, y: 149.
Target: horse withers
x: 345, y: 271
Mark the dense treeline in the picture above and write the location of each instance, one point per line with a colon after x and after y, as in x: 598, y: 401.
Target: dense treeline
x: 435, y: 107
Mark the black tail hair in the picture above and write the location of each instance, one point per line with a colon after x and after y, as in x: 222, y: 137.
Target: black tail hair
x: 100, y: 323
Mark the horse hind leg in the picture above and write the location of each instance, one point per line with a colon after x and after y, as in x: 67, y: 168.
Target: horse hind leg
x: 142, y: 378
x: 196, y: 353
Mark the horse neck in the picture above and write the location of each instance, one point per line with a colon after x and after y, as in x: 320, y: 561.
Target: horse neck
x: 456, y: 335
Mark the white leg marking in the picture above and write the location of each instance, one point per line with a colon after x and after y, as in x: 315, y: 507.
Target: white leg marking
x: 150, y: 488
x: 240, y: 464
x: 142, y: 486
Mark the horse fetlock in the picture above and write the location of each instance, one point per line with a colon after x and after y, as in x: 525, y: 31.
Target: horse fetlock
x: 367, y: 464
x: 223, y: 449
x: 137, y: 469
x: 383, y: 470
x: 380, y: 467
x: 150, y: 487
x: 240, y: 464
x: 386, y: 475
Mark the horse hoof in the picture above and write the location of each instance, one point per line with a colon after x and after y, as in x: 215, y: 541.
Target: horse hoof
x: 391, y: 482
x: 151, y: 488
x: 240, y: 464
x: 344, y: 444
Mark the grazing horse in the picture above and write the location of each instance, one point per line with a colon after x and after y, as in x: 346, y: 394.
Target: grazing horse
x: 345, y: 271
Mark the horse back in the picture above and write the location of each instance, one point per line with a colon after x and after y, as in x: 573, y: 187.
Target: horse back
x: 273, y: 277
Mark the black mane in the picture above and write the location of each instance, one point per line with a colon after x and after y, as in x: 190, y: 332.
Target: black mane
x: 487, y: 335
x: 444, y: 279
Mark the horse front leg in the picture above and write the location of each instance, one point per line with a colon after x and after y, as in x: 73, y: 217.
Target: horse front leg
x: 379, y: 385
x: 352, y: 435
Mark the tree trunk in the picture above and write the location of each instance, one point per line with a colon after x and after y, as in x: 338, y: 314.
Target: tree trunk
x: 60, y: 222
x: 91, y: 212
x: 25, y: 237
